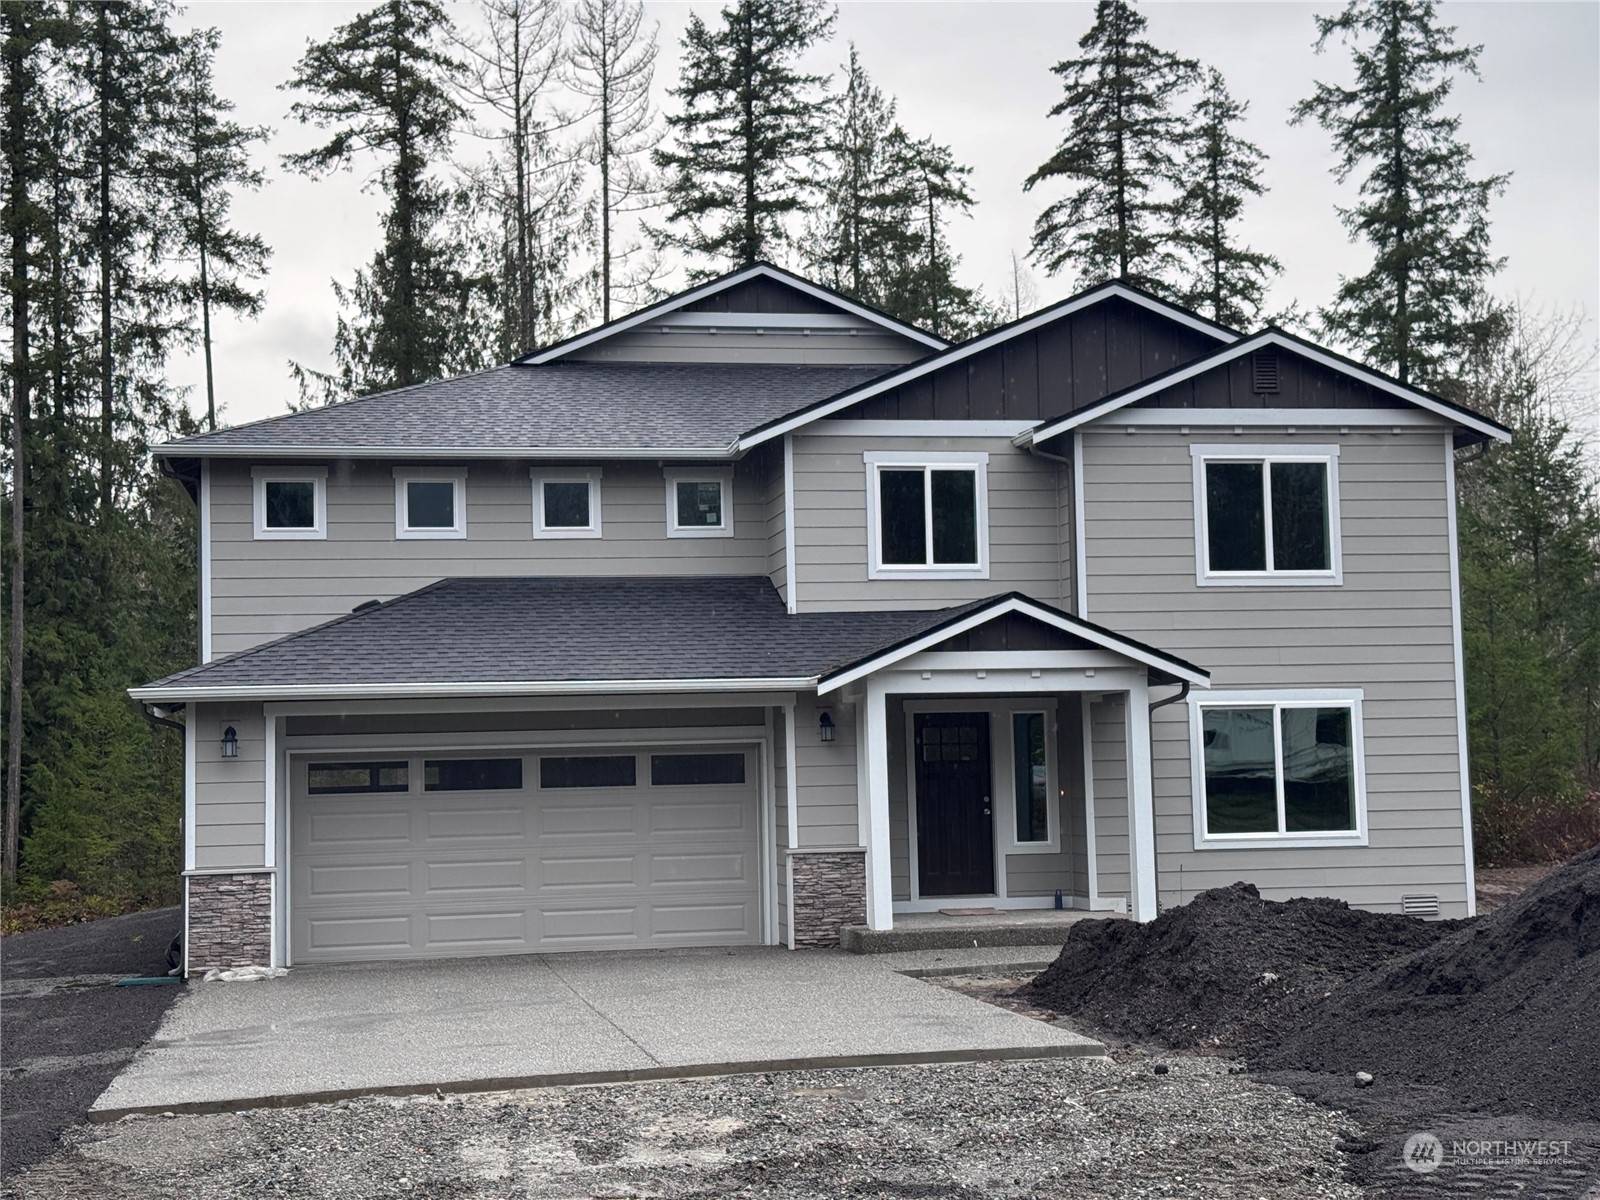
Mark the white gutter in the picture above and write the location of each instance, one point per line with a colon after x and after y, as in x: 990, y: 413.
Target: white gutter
x: 400, y: 691
x: 588, y: 453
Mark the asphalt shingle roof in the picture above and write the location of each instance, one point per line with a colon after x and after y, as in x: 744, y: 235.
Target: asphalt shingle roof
x: 553, y: 629
x: 562, y: 405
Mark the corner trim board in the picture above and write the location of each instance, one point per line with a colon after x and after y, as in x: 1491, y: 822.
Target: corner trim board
x: 1469, y: 855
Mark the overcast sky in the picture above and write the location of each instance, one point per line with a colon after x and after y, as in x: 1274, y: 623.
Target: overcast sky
x: 976, y: 75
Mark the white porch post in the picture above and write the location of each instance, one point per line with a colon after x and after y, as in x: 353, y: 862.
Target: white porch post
x: 874, y: 745
x: 1141, y: 805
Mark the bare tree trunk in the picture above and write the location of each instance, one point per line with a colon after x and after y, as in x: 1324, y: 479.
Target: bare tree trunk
x: 16, y: 84
x: 103, y: 236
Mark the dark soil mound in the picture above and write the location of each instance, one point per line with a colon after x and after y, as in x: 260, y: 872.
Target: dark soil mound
x: 1502, y: 1015
x: 1222, y: 969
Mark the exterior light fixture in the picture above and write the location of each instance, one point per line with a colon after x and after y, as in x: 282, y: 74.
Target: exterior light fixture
x: 825, y: 727
x: 230, y: 742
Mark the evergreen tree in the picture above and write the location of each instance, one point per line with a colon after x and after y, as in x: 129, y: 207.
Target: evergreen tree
x: 750, y: 126
x: 1119, y: 156
x: 1224, y: 279
x: 613, y: 65
x: 208, y: 159
x: 924, y: 290
x: 1421, y: 210
x: 384, y: 85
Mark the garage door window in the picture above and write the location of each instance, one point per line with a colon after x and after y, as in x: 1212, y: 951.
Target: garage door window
x: 682, y: 770
x: 588, y: 771
x: 472, y: 774
x: 340, y: 778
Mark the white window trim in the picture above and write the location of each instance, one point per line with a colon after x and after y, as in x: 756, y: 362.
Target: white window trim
x: 1350, y: 698
x: 540, y: 478
x: 977, y: 462
x: 1265, y: 454
x: 261, y: 476
x: 405, y: 475
x: 718, y: 475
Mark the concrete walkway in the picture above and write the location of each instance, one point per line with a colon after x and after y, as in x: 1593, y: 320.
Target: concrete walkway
x: 323, y: 1033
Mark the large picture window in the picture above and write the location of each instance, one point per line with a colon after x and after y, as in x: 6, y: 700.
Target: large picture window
x: 1279, y: 769
x: 1265, y: 515
x: 926, y: 516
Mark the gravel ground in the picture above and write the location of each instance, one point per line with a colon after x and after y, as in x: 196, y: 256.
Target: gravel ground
x: 1053, y: 1128
x: 65, y: 1028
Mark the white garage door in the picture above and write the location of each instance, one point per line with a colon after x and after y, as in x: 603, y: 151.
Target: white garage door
x: 415, y: 856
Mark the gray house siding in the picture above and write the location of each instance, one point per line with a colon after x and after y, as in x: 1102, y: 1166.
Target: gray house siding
x: 1042, y: 874
x: 1108, y: 738
x: 1386, y: 630
x: 830, y: 526
x: 230, y: 793
x: 825, y: 780
x: 265, y: 589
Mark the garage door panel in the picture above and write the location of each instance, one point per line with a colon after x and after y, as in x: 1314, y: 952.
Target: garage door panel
x: 464, y: 822
x: 508, y: 874
x: 554, y: 819
x: 401, y: 875
x: 729, y: 867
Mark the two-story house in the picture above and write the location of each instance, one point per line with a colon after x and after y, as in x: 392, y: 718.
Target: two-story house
x: 757, y: 613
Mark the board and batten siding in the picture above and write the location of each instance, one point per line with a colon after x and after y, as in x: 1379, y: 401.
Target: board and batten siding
x: 830, y: 525
x: 1387, y: 629
x: 229, y: 793
x: 262, y: 590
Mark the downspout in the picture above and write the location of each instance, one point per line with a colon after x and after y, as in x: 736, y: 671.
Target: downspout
x: 157, y: 715
x: 1182, y: 693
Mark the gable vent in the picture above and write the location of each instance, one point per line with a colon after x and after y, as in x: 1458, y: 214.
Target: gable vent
x: 1264, y: 372
x: 1420, y: 906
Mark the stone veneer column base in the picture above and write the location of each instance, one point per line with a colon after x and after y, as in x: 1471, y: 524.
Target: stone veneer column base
x: 830, y: 891
x: 229, y: 921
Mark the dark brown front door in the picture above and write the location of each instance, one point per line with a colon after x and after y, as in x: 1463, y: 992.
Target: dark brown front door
x: 955, y: 822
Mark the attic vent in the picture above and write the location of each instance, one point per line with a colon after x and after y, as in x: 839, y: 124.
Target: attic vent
x: 1420, y: 906
x: 1264, y: 372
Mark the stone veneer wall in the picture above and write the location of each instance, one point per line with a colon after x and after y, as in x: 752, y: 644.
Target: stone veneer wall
x: 230, y: 921
x: 830, y: 890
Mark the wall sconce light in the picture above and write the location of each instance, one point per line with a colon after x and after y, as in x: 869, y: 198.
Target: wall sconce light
x: 230, y: 742
x: 825, y: 727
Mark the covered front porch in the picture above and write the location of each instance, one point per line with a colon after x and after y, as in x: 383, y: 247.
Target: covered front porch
x: 1006, y: 764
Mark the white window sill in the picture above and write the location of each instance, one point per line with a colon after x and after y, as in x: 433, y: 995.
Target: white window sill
x: 942, y: 572
x: 1050, y: 847
x: 430, y: 535
x: 1274, y: 579
x: 555, y: 534
x: 291, y: 535
x: 1279, y: 841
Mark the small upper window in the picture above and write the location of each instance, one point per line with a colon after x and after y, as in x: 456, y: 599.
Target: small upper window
x: 430, y: 503
x: 1280, y: 769
x: 928, y: 517
x: 471, y: 774
x: 330, y: 778
x: 291, y: 502
x: 588, y: 771
x: 566, y: 505
x: 699, y: 504
x: 1266, y: 516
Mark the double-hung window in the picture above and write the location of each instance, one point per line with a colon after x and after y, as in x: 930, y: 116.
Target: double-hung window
x: 1278, y: 768
x: 430, y: 503
x: 291, y: 503
x: 1266, y: 515
x: 927, y: 515
x: 700, y: 502
x: 566, y: 504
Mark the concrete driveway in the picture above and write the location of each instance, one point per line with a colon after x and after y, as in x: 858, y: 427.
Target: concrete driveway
x: 323, y: 1033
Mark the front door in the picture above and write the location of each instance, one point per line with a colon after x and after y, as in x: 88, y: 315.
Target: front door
x: 955, y: 822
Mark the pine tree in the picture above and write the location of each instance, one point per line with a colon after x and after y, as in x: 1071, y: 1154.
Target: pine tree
x: 1118, y: 157
x: 1225, y: 279
x: 384, y: 85
x: 924, y: 290
x: 613, y: 65
x: 208, y: 160
x: 750, y: 125
x: 1421, y: 210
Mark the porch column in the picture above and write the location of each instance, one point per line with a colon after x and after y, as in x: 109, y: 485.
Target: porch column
x: 1141, y: 805
x: 874, y: 746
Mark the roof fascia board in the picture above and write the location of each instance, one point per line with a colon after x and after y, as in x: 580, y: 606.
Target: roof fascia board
x: 711, y: 288
x: 1270, y: 337
x: 1011, y: 604
x: 590, y: 453
x: 965, y: 350
x: 402, y: 691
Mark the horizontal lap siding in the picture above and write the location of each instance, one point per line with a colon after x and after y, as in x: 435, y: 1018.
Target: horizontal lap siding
x: 1108, y: 737
x: 830, y: 523
x: 265, y: 589
x: 1387, y: 630
x: 776, y: 530
x: 230, y: 793
x: 825, y: 776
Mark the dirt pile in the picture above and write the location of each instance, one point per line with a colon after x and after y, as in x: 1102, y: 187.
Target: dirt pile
x: 1226, y: 969
x: 1501, y: 1015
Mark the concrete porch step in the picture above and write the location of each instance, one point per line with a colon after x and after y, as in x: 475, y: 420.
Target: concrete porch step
x: 936, y: 931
